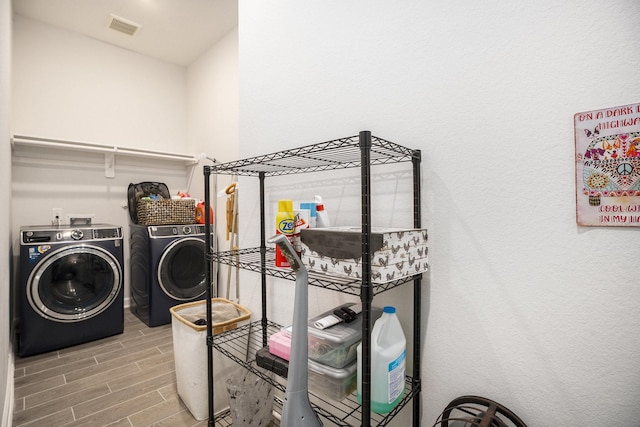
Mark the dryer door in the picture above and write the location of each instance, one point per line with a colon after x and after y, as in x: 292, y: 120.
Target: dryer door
x: 74, y: 283
x: 181, y: 269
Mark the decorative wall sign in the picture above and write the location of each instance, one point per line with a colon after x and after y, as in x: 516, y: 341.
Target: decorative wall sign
x: 608, y: 166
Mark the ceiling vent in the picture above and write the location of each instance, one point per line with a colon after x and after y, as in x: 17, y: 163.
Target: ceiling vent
x: 123, y: 25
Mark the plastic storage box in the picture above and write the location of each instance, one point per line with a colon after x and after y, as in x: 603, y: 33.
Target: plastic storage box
x: 334, y: 346
x: 190, y: 352
x: 331, y: 382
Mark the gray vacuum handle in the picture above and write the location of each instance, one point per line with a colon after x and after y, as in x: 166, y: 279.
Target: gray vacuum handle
x: 297, y: 410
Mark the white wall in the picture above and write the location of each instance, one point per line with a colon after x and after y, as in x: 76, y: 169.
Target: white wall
x: 68, y: 86
x: 6, y: 357
x: 212, y: 100
x: 212, y: 118
x: 212, y: 110
x: 521, y: 305
x: 73, y: 87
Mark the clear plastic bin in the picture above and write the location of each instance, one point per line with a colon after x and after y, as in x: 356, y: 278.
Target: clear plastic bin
x: 332, y: 382
x: 336, y: 346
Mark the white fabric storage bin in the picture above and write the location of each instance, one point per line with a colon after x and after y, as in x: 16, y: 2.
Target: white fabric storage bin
x: 395, y: 252
x: 190, y: 354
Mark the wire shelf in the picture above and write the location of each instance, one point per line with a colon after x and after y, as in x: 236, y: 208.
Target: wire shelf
x: 241, y: 346
x: 249, y: 259
x: 336, y: 154
x: 223, y: 418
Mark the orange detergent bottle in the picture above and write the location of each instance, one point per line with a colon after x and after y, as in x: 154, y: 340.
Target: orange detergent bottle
x: 200, y: 213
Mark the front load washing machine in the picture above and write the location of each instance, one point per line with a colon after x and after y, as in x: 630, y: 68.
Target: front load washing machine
x: 70, y: 287
x: 167, y: 268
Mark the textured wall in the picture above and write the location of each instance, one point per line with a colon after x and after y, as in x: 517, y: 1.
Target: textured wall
x: 6, y: 358
x: 520, y: 305
x: 72, y: 87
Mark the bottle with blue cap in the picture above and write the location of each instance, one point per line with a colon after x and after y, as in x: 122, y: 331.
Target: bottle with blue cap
x: 388, y: 360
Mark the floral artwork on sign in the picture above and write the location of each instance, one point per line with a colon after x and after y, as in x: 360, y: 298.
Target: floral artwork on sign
x: 608, y: 167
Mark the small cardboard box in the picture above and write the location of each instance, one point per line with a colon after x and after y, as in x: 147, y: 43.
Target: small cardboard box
x: 396, y: 252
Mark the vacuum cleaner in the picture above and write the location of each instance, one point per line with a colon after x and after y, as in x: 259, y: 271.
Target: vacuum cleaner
x: 297, y: 410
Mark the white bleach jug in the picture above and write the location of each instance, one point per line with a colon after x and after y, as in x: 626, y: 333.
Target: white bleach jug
x: 388, y: 360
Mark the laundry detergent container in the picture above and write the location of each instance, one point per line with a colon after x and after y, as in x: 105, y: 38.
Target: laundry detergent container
x: 190, y: 352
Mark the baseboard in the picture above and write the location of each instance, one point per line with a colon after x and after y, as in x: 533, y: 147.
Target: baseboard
x: 7, y: 407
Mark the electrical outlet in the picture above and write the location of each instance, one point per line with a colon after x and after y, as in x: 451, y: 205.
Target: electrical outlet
x: 56, y: 216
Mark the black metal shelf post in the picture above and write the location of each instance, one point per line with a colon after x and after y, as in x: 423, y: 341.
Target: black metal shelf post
x: 363, y: 151
x: 366, y: 294
x: 208, y: 293
x: 417, y: 289
x: 263, y: 259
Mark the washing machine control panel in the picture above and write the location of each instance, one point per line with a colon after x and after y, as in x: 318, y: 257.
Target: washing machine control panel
x: 175, y: 230
x: 35, y: 237
x: 77, y: 234
x: 59, y: 234
x: 107, y: 233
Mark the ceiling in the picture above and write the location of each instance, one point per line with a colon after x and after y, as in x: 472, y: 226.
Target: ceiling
x: 176, y: 31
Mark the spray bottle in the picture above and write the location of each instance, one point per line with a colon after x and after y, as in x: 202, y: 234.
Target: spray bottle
x: 322, y: 218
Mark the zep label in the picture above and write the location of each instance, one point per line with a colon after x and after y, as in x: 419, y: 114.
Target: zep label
x: 286, y: 226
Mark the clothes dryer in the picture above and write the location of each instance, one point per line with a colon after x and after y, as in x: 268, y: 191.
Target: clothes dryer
x: 70, y: 289
x: 167, y: 268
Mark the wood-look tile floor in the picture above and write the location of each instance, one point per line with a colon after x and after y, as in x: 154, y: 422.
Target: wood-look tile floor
x: 127, y: 380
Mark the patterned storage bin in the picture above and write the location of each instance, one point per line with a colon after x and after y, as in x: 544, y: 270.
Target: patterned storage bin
x: 396, y: 252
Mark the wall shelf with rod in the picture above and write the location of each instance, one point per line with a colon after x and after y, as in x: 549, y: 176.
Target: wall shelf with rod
x: 110, y: 151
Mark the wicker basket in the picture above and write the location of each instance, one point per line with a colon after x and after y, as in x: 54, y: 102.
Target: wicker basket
x: 163, y: 212
x: 200, y: 306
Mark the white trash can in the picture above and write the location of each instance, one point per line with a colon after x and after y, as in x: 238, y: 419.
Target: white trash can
x: 190, y: 352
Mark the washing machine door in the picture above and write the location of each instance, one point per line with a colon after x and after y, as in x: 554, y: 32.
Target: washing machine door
x: 74, y: 283
x: 182, y: 269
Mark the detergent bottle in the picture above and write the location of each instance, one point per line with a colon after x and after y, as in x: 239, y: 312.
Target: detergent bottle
x: 388, y: 360
x: 311, y: 206
x: 285, y: 224
x: 200, y: 213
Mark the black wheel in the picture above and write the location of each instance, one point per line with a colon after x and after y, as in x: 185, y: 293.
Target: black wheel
x: 475, y: 411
